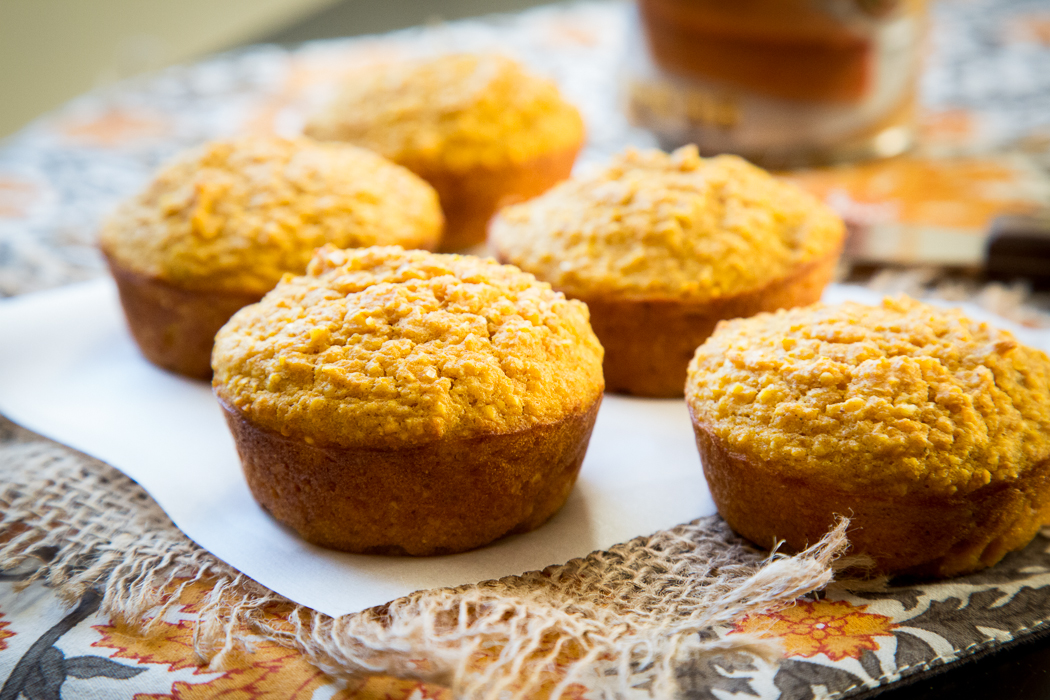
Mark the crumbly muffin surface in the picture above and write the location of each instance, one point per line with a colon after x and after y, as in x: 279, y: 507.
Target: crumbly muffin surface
x: 236, y: 215
x: 456, y: 112
x: 657, y: 225
x: 380, y: 347
x: 902, y: 398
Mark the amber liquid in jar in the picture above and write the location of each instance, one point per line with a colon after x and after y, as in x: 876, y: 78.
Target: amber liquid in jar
x: 782, y: 82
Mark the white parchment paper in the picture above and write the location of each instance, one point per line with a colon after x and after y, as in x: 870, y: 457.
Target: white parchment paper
x: 69, y: 371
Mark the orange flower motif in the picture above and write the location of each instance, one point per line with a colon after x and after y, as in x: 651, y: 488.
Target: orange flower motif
x: 114, y: 128
x: 978, y: 189
x: 15, y: 197
x: 267, y: 672
x: 830, y: 627
x: 1034, y: 27
x: 550, y: 676
x: 4, y: 634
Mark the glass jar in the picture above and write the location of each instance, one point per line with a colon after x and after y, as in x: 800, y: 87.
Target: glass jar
x: 783, y: 83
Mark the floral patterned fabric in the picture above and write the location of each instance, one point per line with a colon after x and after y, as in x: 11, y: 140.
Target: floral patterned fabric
x: 986, y: 150
x: 854, y: 641
x: 840, y: 644
x: 49, y: 650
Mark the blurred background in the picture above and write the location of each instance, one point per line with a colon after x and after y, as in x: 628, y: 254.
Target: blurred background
x: 923, y: 123
x: 53, y: 50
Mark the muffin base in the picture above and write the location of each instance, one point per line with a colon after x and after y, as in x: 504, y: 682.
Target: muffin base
x: 175, y: 328
x: 913, y: 534
x: 447, y: 496
x: 469, y: 198
x: 649, y: 342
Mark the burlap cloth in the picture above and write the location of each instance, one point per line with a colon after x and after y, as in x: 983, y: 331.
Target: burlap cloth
x: 641, y: 611
x: 688, y: 611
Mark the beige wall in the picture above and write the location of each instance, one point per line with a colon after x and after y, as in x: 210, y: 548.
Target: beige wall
x: 52, y: 50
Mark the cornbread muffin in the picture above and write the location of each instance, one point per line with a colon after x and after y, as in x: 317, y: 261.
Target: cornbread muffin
x: 663, y: 246
x: 930, y: 431
x: 217, y: 229
x: 408, y: 402
x: 480, y: 129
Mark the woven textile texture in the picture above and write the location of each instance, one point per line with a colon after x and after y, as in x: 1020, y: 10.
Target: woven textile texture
x: 632, y: 616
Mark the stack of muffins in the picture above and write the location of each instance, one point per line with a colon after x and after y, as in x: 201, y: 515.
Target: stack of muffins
x: 387, y: 399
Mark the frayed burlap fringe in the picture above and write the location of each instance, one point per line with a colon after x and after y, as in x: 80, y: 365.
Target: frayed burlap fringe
x: 631, y: 617
x: 640, y: 612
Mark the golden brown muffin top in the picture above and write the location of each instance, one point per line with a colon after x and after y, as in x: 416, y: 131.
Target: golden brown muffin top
x: 902, y: 398
x: 451, y: 113
x: 381, y: 347
x: 677, y: 226
x: 236, y: 215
